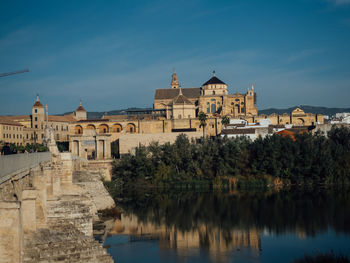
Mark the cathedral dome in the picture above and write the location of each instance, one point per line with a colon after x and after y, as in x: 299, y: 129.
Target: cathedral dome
x: 214, y: 80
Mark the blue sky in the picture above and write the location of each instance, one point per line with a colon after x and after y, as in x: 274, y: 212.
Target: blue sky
x: 114, y: 54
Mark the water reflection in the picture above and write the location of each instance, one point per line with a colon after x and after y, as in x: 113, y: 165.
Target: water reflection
x: 224, y: 224
x: 214, y: 239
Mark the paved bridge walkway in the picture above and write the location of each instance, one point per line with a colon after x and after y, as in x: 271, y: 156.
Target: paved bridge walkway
x: 17, y: 164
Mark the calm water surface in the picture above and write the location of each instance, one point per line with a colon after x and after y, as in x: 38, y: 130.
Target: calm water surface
x: 250, y: 226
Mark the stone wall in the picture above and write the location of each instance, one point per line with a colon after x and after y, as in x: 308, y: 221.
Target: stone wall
x: 128, y: 142
x: 325, y: 128
x: 10, y: 232
x: 44, y: 217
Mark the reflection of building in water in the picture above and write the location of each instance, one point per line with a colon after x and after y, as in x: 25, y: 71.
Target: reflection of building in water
x: 214, y: 239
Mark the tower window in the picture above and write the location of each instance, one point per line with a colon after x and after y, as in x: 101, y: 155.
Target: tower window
x: 213, y: 108
x: 36, y: 111
x: 36, y: 118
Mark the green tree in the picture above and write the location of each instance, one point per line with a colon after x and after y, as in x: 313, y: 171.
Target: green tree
x: 203, y: 120
x: 225, y: 120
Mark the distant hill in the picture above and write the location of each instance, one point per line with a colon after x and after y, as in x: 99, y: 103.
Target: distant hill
x: 98, y: 115
x: 308, y: 109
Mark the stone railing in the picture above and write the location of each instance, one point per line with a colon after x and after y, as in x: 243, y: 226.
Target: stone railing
x: 11, y: 164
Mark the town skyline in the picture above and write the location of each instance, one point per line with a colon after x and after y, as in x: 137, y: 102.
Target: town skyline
x: 114, y: 55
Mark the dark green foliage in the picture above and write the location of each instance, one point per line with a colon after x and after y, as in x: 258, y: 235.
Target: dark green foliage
x: 323, y: 258
x: 63, y: 146
x: 310, y: 159
x: 115, y: 149
x: 28, y: 148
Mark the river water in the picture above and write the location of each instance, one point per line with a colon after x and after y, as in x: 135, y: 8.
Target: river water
x: 230, y: 226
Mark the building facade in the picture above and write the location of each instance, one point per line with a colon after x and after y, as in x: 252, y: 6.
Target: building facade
x: 11, y: 132
x: 211, y: 98
x: 31, y: 127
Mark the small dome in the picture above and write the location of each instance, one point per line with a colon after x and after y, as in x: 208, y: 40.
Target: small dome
x: 38, y: 103
x: 80, y: 107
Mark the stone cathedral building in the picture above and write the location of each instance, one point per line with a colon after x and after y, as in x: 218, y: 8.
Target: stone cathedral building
x: 175, y: 111
x: 211, y: 98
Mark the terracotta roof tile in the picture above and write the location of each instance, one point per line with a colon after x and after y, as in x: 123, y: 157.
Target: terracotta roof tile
x: 181, y: 99
x: 162, y: 94
x: 38, y: 104
x: 80, y: 108
x: 9, y: 122
x: 65, y: 118
x: 238, y: 131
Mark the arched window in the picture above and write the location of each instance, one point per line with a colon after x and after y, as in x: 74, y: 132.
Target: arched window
x: 131, y: 128
x: 103, y: 128
x: 78, y: 129
x: 116, y: 128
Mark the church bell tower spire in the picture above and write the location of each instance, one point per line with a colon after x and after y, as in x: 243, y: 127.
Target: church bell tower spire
x: 174, y: 81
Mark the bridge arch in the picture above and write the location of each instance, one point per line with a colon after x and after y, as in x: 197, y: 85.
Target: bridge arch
x: 299, y: 121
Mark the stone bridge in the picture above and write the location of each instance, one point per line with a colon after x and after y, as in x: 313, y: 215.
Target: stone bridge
x: 44, y: 217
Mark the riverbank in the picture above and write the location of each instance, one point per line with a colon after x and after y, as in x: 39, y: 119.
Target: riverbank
x: 239, y: 162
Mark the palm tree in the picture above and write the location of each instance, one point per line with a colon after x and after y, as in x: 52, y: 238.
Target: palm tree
x: 203, y: 120
x: 225, y: 120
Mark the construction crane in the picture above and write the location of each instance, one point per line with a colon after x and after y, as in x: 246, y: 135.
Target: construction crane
x: 12, y: 73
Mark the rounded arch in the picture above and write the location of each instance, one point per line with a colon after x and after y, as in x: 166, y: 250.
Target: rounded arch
x: 91, y: 127
x: 299, y: 121
x: 103, y: 128
x: 130, y: 128
x: 78, y: 129
x: 117, y: 127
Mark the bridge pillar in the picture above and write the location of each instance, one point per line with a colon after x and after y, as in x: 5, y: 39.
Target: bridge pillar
x: 56, y: 180
x: 10, y: 232
x: 67, y: 168
x: 39, y: 182
x: 48, y: 175
x: 28, y: 211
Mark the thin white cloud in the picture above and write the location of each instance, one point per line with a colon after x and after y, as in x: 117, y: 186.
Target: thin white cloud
x: 17, y: 37
x: 306, y: 53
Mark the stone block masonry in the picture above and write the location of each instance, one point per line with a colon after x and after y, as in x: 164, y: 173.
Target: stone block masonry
x: 10, y: 232
x: 128, y: 142
x: 44, y: 217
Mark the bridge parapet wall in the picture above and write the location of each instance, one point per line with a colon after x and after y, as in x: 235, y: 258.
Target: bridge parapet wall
x: 12, y: 164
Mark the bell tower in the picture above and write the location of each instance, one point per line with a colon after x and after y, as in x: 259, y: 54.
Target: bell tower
x: 38, y: 114
x: 174, y: 81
